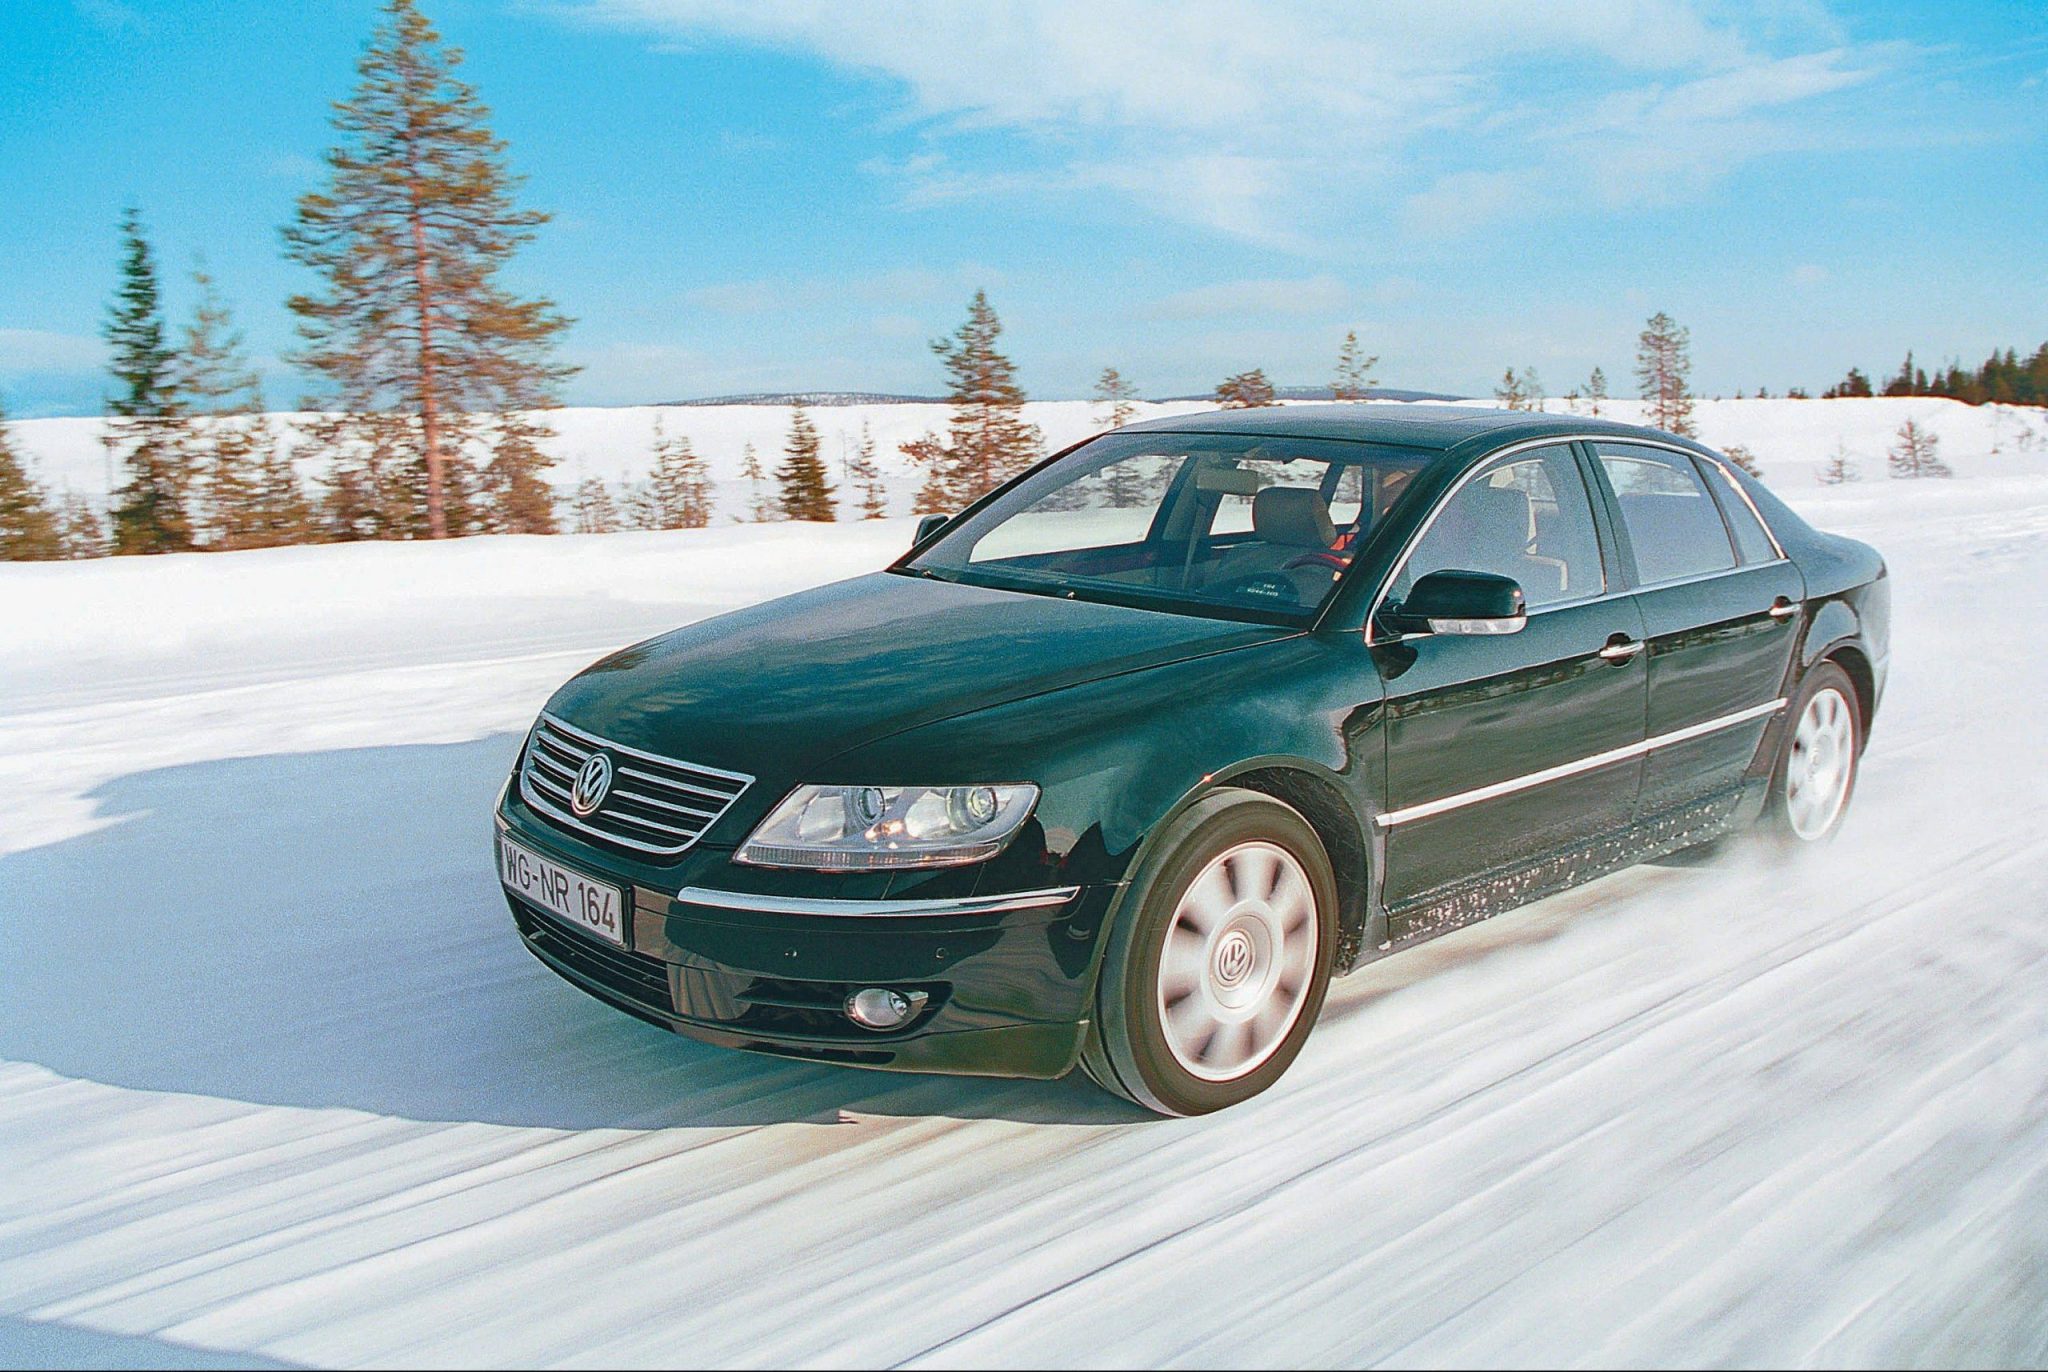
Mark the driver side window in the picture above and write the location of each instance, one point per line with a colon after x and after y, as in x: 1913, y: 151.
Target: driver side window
x: 1529, y: 518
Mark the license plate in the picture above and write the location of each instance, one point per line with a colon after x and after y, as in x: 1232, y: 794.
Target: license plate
x: 591, y: 906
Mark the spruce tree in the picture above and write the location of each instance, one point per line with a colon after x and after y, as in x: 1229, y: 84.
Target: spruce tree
x: 152, y: 512
x: 1354, y: 371
x: 1917, y: 453
x: 1743, y: 459
x: 987, y: 441
x: 28, y: 526
x: 1840, y: 468
x: 513, y: 497
x: 226, y: 439
x: 760, y: 508
x: 1663, y: 369
x: 678, y: 494
x: 596, y: 511
x: 805, y: 493
x: 1246, y: 391
x: 1596, y: 389
x: 408, y: 235
x: 865, y: 474
x: 1120, y: 395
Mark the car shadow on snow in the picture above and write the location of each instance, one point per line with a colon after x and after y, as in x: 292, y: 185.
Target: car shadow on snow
x: 325, y: 930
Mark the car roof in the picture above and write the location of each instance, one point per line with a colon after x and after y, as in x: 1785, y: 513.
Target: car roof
x: 1405, y: 423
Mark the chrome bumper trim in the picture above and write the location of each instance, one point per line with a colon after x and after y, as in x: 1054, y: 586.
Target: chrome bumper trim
x: 869, y: 909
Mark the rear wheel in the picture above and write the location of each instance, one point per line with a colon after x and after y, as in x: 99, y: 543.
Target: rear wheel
x: 1219, y: 965
x: 1816, y: 771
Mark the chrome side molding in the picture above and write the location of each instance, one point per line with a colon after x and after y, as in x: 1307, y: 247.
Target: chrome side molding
x: 1585, y: 764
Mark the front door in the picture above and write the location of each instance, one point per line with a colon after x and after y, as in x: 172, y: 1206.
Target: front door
x: 1505, y: 749
x: 1719, y: 608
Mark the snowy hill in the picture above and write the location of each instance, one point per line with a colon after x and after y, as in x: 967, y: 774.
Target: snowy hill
x: 1790, y: 438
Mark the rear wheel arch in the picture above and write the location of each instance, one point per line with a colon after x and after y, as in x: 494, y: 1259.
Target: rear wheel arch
x: 1856, y: 663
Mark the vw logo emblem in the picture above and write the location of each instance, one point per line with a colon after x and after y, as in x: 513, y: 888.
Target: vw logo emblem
x: 1234, y: 957
x: 593, y: 784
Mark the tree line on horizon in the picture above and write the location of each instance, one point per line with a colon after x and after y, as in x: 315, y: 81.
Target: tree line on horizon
x: 438, y: 379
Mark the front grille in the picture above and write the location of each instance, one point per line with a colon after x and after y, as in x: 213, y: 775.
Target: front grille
x: 631, y: 976
x: 656, y: 805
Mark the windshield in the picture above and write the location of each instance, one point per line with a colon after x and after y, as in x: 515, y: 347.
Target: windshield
x: 1235, y: 526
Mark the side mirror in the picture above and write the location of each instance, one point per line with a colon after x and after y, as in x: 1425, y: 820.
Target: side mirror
x: 928, y: 526
x: 1462, y: 603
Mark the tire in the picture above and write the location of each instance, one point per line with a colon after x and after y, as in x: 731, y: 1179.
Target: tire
x: 1219, y: 961
x: 1814, y: 777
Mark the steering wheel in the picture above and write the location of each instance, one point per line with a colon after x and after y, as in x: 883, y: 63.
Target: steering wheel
x: 1262, y: 586
x: 1336, y: 560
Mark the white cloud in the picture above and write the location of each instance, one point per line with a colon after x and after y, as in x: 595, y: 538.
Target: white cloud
x: 781, y: 295
x: 1287, y: 125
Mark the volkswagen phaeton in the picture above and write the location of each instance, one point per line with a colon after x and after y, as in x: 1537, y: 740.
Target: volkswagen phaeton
x: 1116, y: 767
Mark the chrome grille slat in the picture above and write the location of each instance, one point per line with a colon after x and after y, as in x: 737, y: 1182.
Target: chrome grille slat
x: 668, y: 808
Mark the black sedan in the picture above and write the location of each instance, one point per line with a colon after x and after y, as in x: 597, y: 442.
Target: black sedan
x: 1118, y: 766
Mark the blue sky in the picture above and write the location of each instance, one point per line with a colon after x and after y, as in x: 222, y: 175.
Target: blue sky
x: 773, y: 194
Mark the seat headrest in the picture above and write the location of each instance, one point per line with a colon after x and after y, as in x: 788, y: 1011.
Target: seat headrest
x: 1500, y: 518
x: 1293, y: 516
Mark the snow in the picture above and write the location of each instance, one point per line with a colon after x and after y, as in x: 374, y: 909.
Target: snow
x: 278, y: 1082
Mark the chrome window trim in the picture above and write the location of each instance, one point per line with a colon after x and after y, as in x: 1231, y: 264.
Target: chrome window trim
x: 1485, y: 465
x: 872, y: 909
x: 1728, y: 476
x: 1592, y: 440
x: 1443, y: 804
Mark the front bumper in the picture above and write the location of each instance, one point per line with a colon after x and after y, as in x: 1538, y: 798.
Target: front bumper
x: 1008, y: 988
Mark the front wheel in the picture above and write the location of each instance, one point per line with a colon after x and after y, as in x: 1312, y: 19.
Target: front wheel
x: 1219, y: 965
x: 1816, y: 771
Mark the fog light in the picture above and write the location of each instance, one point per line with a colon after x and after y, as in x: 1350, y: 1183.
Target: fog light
x: 879, y: 1008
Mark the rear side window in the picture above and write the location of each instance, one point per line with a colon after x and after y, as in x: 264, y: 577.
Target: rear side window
x: 1750, y: 539
x: 1673, y: 524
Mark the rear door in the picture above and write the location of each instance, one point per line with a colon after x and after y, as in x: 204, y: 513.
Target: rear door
x: 1497, y: 744
x: 1720, y: 605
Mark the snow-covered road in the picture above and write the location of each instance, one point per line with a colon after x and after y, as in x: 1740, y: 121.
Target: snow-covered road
x: 277, y: 1081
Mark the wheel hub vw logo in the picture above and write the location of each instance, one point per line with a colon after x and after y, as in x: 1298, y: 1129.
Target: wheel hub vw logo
x: 1234, y: 957
x: 593, y: 784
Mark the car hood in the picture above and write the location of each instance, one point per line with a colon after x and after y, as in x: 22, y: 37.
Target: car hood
x: 776, y: 689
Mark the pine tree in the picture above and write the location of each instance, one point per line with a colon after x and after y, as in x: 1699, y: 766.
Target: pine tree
x: 805, y: 493
x: 1120, y: 395
x: 513, y: 497
x: 80, y: 530
x: 678, y: 494
x: 1246, y: 391
x: 28, y: 526
x: 1840, y: 468
x: 596, y: 511
x: 225, y: 439
x: 152, y: 513
x: 864, y: 473
x: 987, y: 441
x: 1917, y: 453
x: 1663, y: 368
x: 364, y: 494
x: 1743, y: 459
x: 1354, y: 371
x: 1596, y: 389
x: 408, y: 236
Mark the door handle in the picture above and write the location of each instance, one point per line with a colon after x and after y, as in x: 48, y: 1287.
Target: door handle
x: 1781, y: 608
x: 1621, y: 649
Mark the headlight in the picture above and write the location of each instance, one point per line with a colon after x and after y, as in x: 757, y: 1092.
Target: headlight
x: 877, y: 828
